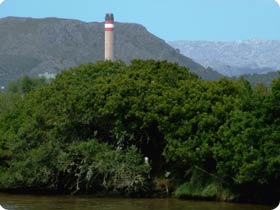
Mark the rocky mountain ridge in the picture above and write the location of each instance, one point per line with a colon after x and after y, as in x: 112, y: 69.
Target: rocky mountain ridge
x: 234, y: 58
x: 36, y: 46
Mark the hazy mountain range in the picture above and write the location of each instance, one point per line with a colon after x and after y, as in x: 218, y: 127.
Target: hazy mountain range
x: 35, y: 46
x: 234, y: 58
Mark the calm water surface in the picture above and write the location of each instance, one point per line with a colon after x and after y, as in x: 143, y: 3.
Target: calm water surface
x: 26, y: 202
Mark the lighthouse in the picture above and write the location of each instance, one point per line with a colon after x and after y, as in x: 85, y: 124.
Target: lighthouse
x: 109, y: 37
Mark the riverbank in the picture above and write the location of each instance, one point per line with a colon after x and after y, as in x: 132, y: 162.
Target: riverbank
x: 185, y: 192
x: 39, y: 202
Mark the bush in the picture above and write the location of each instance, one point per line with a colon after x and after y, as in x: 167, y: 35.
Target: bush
x: 89, y: 129
x: 92, y: 165
x: 202, y: 186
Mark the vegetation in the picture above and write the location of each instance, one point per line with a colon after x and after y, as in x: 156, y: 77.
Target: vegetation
x: 16, y: 92
x: 258, y: 79
x: 90, y: 129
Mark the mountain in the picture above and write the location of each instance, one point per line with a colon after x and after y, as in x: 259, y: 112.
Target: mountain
x: 36, y: 46
x: 234, y: 58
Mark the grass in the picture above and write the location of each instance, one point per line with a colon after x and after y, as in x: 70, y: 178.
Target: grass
x: 203, y: 187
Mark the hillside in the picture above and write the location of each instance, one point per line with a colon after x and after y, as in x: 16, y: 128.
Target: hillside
x: 234, y: 58
x: 34, y: 46
x: 265, y: 79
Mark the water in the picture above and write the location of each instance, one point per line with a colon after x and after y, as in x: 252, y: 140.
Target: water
x: 27, y: 202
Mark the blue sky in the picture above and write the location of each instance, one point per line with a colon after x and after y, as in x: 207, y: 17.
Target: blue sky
x: 219, y: 20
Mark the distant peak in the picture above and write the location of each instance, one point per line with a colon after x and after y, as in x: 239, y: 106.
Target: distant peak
x: 255, y: 40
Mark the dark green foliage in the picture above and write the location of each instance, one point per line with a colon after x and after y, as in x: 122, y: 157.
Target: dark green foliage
x: 86, y: 167
x: 89, y: 130
x: 17, y: 90
x: 25, y: 85
x: 231, y: 137
x: 201, y: 186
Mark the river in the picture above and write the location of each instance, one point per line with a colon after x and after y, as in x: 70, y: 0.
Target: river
x: 27, y: 202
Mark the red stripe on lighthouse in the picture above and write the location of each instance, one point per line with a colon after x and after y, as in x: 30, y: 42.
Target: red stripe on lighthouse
x: 109, y: 25
x: 109, y: 22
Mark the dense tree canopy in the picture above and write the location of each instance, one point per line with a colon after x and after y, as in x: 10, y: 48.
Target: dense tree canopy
x: 90, y: 128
